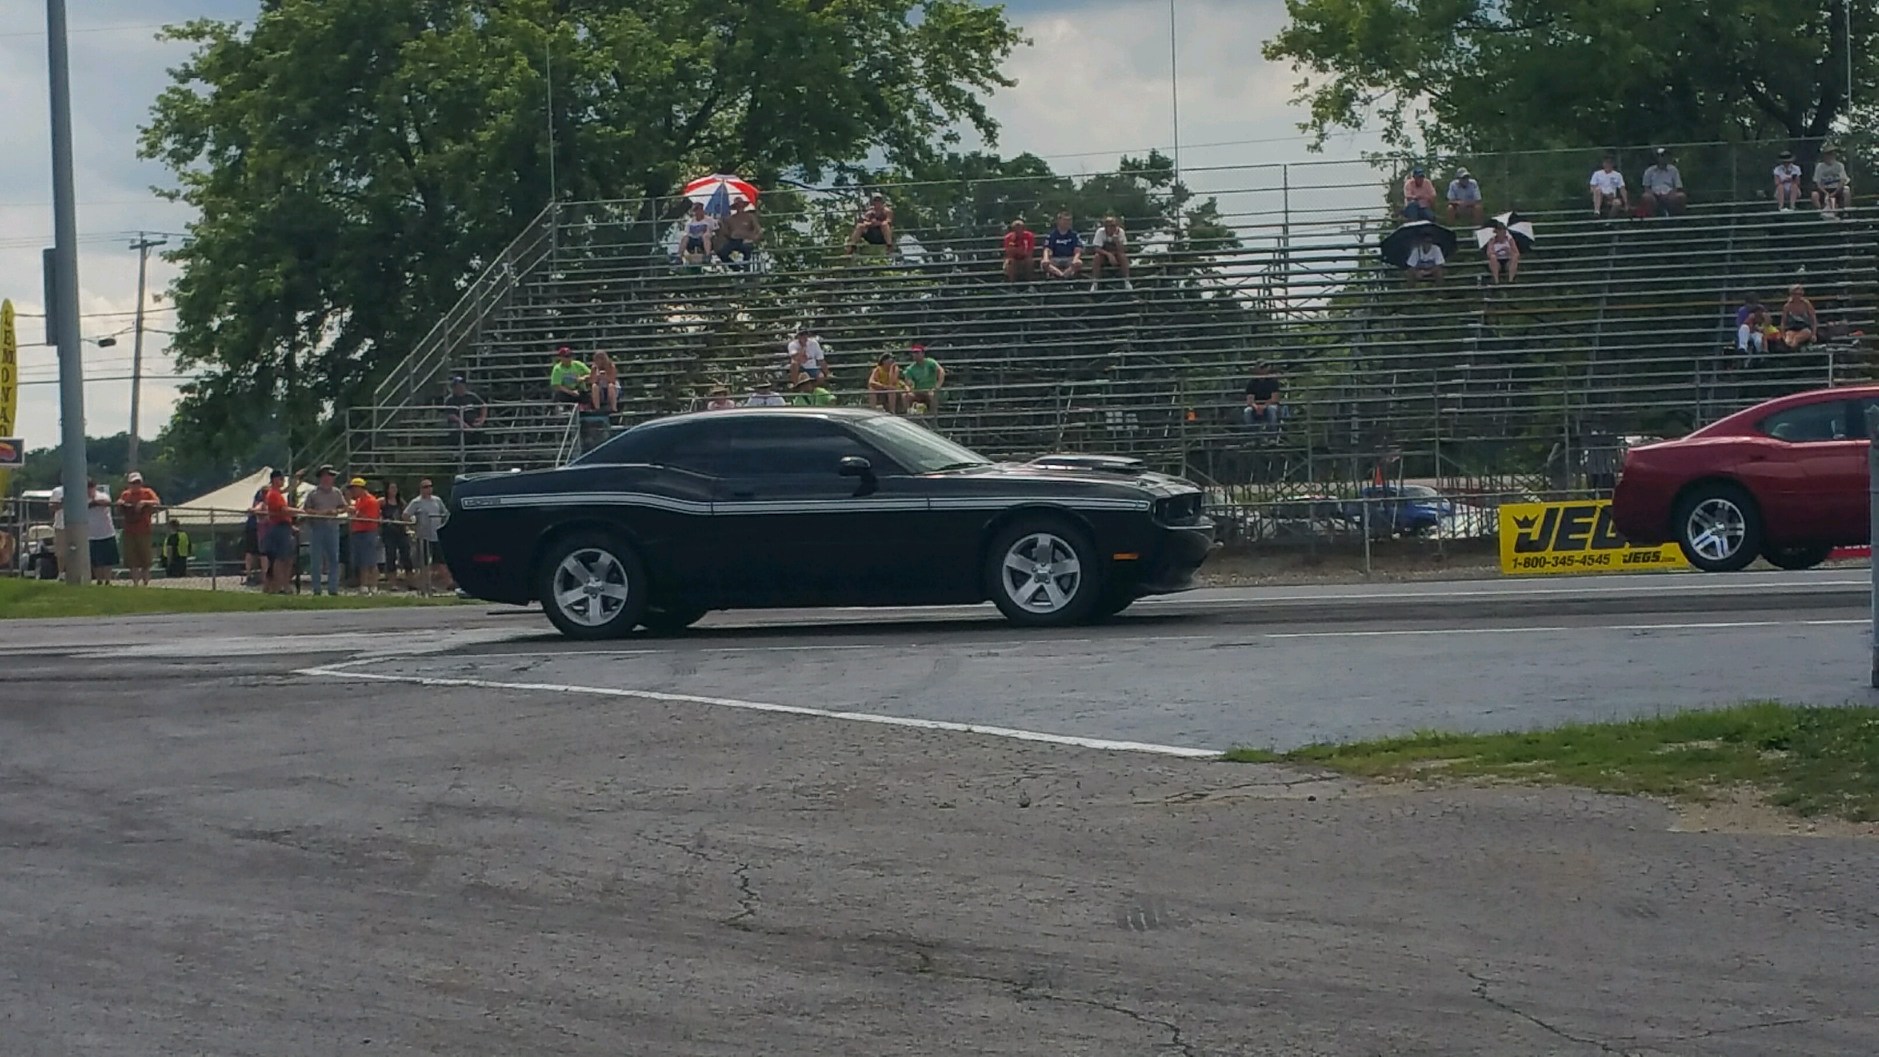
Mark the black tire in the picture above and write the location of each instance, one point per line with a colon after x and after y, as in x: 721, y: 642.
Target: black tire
x: 600, y: 613
x: 1797, y: 556
x: 1041, y: 599
x: 1718, y: 528
x: 670, y: 620
x: 1111, y: 605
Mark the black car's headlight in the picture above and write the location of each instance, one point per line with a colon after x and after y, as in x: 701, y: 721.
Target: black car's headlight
x: 1178, y: 509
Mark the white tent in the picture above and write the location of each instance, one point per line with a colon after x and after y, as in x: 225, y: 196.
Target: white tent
x: 230, y: 502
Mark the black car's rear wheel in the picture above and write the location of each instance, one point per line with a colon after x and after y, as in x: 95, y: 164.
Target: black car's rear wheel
x: 592, y: 586
x: 1797, y: 556
x: 1042, y: 572
x: 671, y: 619
x: 1718, y: 528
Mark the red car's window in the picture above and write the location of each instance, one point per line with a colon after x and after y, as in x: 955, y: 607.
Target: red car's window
x: 1808, y: 423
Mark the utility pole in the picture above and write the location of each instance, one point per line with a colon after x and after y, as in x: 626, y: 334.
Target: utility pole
x: 74, y: 467
x: 143, y: 246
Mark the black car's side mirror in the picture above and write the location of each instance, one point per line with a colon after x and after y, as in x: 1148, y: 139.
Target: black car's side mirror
x: 856, y: 466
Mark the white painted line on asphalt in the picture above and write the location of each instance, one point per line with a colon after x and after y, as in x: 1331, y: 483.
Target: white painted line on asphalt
x: 1509, y: 592
x: 1558, y: 628
x: 345, y: 670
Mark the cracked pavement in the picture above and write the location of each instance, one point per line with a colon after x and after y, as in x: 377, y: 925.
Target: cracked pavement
x: 211, y: 856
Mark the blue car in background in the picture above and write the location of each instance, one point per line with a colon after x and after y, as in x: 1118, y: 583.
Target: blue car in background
x: 1400, y: 510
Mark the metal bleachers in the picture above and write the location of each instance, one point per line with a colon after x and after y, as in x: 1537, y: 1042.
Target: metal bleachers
x: 1613, y: 328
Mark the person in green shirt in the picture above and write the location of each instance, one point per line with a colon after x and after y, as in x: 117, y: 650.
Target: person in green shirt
x: 568, y: 378
x: 924, y: 376
x: 810, y: 393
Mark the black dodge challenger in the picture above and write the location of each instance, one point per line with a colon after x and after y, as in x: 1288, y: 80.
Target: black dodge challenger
x: 770, y: 507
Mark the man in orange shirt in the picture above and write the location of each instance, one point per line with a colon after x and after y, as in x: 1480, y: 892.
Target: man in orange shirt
x: 277, y: 535
x: 365, y: 542
x: 138, y: 505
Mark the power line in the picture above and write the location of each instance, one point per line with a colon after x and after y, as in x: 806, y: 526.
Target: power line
x: 116, y: 28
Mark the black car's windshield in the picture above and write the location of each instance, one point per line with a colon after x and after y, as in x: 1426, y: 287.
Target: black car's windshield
x: 917, y: 448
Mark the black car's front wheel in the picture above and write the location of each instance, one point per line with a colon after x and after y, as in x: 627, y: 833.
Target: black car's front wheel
x: 1797, y: 556
x: 592, y: 586
x: 1042, y: 572
x: 1718, y: 528
x: 668, y: 619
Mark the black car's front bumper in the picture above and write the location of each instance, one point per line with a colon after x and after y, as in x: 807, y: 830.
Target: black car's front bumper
x: 1168, y: 564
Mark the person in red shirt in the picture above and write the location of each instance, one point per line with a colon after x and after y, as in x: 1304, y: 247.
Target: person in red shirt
x: 277, y: 536
x: 1020, y: 252
x: 366, y: 542
x: 138, y: 505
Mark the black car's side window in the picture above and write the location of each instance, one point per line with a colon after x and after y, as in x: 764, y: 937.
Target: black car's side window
x: 1811, y: 423
x: 786, y: 447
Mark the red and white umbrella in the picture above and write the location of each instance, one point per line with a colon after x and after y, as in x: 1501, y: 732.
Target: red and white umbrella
x: 705, y: 188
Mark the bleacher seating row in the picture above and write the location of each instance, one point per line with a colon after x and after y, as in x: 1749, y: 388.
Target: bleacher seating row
x: 1613, y: 328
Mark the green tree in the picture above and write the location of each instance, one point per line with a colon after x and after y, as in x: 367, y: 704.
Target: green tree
x: 1490, y: 75
x: 352, y: 161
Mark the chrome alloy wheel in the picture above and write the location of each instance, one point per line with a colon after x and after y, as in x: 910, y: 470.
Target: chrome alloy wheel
x: 1716, y: 528
x: 590, y: 587
x: 1041, y: 573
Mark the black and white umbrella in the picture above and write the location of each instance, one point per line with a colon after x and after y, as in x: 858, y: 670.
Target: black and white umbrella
x: 1521, y: 227
x: 1397, y: 244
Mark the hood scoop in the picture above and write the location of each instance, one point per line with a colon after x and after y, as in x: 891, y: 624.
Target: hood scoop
x: 1121, y: 464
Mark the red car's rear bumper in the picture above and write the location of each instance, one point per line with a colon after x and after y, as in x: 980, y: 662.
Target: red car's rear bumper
x: 1641, y: 507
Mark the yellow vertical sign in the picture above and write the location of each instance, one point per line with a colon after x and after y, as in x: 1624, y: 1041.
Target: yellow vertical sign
x: 9, y: 380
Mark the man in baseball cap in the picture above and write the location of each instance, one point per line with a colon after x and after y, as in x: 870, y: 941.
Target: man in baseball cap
x: 366, y: 544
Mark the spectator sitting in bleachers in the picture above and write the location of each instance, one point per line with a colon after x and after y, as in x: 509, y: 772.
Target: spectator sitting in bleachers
x: 887, y: 390
x: 764, y: 395
x: 741, y: 235
x: 1464, y: 198
x: 1063, y: 250
x: 1608, y: 190
x: 605, y: 394
x: 1110, y: 246
x: 1663, y: 188
x: 1787, y: 182
x: 810, y: 393
x: 1427, y: 261
x: 1020, y: 252
x: 567, y: 379
x: 876, y: 226
x: 1832, y: 190
x: 1751, y: 327
x: 1419, y: 196
x: 924, y: 378
x: 1798, y: 319
x: 719, y: 399
x: 1262, y: 412
x: 700, y: 229
x: 1503, y: 251
x: 807, y: 358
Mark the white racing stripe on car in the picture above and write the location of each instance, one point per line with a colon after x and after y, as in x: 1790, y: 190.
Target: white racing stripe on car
x: 796, y: 506
x: 344, y: 670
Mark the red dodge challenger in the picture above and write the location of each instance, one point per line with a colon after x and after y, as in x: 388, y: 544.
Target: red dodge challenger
x: 1785, y: 480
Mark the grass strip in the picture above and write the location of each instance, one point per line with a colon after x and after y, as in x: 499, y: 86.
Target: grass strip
x: 1812, y: 761
x: 45, y: 600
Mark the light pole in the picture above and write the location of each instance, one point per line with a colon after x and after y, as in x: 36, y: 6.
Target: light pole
x: 63, y: 312
x: 1174, y: 90
x: 143, y: 246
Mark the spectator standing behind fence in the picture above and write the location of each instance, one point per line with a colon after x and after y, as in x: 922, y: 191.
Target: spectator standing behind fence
x: 1464, y: 199
x: 743, y: 231
x: 1609, y: 198
x: 1663, y: 187
x: 394, y: 536
x: 1799, y: 321
x: 365, y: 543
x: 1110, y: 248
x: 426, y: 514
x: 875, y: 227
x: 567, y: 379
x: 138, y: 505
x: 1787, y: 182
x: 177, y: 550
x: 1020, y: 250
x: 1063, y: 249
x: 277, y: 535
x: 1503, y: 253
x: 1833, y: 192
x: 605, y: 395
x: 104, y: 556
x: 324, y: 506
x: 924, y: 377
x: 700, y: 228
x: 1419, y: 196
x: 1262, y: 412
x: 466, y: 414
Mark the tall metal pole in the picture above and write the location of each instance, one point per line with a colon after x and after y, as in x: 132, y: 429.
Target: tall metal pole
x: 548, y: 55
x: 1846, y: 10
x: 1174, y: 93
x: 1872, y: 512
x: 143, y: 246
x: 76, y: 561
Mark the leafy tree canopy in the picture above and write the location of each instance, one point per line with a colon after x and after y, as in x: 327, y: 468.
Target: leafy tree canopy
x: 353, y: 160
x: 1490, y: 75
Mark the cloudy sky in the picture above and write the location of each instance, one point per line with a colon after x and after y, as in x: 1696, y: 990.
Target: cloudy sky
x: 1094, y: 83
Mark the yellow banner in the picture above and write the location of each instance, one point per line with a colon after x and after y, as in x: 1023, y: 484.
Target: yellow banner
x: 9, y: 379
x: 1575, y: 537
